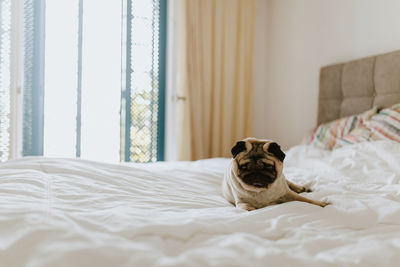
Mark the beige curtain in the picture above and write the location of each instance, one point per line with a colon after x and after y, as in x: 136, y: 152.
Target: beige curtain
x: 215, y: 76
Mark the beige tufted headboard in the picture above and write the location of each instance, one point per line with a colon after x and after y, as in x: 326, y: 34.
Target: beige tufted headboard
x: 356, y: 86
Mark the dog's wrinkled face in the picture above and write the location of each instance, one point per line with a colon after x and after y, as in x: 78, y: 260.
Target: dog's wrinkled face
x: 258, y: 162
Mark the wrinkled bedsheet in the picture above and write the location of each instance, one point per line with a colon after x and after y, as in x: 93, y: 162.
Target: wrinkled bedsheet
x: 70, y: 212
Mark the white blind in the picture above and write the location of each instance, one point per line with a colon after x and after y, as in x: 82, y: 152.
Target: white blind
x: 5, y: 56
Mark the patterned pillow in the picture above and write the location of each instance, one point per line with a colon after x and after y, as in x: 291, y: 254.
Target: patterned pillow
x: 385, y: 125
x: 359, y: 134
x: 326, y: 134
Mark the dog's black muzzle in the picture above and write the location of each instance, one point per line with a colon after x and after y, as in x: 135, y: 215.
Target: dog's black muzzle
x: 259, y: 175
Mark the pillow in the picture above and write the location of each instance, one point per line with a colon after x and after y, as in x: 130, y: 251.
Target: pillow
x: 325, y: 135
x: 359, y: 134
x: 385, y: 125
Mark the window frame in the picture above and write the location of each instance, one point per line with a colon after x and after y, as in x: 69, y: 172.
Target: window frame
x: 126, y: 85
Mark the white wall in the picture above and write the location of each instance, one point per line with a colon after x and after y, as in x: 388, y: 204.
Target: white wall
x: 296, y: 38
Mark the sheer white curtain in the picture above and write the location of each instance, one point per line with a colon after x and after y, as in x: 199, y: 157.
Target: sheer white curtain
x: 101, y: 79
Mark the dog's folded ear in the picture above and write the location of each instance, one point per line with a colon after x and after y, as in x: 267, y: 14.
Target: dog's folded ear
x: 239, y: 147
x: 275, y: 149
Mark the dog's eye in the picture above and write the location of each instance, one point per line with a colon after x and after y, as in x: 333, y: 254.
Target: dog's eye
x: 268, y: 167
x: 243, y: 167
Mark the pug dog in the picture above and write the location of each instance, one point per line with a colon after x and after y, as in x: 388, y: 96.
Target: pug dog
x: 254, y: 178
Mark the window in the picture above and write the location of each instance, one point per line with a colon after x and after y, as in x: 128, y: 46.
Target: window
x: 95, y: 79
x: 143, y: 94
x: 5, y: 66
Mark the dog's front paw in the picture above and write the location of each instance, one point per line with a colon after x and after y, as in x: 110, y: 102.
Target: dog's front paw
x: 307, y: 189
x: 245, y: 206
x: 324, y: 204
x: 303, y: 189
x: 298, y: 188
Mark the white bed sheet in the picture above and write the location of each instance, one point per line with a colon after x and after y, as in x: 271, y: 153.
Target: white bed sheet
x: 67, y: 212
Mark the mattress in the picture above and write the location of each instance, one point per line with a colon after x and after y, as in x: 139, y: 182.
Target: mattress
x: 71, y: 212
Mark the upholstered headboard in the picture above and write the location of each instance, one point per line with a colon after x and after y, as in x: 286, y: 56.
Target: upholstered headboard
x: 356, y: 86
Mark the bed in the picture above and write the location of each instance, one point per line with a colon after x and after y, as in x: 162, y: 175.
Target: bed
x: 72, y: 212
